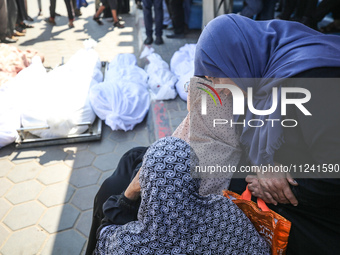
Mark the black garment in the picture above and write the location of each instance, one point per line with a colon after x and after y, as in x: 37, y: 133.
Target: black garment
x: 325, y: 7
x: 316, y: 140
x: 69, y: 8
x: 12, y: 12
x: 301, y: 7
x: 114, y: 185
x: 148, y: 20
x: 22, y: 14
x: 3, y: 19
x: 119, y: 210
x: 177, y: 16
x: 110, y: 3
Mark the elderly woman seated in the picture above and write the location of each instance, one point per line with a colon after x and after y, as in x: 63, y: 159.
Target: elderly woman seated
x: 172, y: 217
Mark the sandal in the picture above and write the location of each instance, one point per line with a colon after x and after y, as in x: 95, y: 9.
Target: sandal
x: 333, y: 27
x: 117, y: 24
x: 96, y: 19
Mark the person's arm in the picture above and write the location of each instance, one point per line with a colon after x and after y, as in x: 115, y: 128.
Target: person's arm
x: 121, y: 209
x: 320, y: 133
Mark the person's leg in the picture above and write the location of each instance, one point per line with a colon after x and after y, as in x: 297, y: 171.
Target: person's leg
x: 253, y: 7
x: 99, y: 11
x: 113, y: 185
x: 267, y: 11
x: 336, y: 13
x: 309, y: 7
x: 178, y: 21
x: 288, y: 9
x: 40, y: 8
x: 325, y: 7
x: 147, y: 12
x: 12, y: 13
x: 70, y: 12
x: 158, y: 6
x: 52, y: 8
x: 114, y: 6
x: 3, y: 19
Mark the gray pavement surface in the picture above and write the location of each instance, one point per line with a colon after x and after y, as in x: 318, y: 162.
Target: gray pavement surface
x: 46, y: 193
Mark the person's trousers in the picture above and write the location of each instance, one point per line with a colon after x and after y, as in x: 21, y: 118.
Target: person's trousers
x: 253, y: 7
x: 22, y: 14
x: 69, y: 7
x: 177, y: 16
x: 148, y: 20
x: 267, y: 11
x: 114, y: 185
x: 325, y: 7
x: 12, y: 11
x: 3, y: 19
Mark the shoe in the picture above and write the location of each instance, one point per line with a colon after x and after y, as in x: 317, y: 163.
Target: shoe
x: 17, y: 33
x: 8, y: 40
x: 97, y: 19
x: 175, y: 36
x: 29, y: 18
x: 159, y: 40
x: 50, y: 21
x: 148, y: 41
x: 20, y: 29
x: 70, y: 24
x: 24, y: 25
x: 117, y: 24
x: 77, y: 12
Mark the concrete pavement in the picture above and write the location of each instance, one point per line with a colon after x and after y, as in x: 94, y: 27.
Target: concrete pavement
x: 46, y: 193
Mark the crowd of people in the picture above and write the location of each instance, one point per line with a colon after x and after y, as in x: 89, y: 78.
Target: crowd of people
x: 309, y: 12
x: 13, y: 14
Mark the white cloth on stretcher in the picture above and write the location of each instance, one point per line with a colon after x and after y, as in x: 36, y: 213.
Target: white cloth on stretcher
x: 122, y: 100
x: 58, y: 99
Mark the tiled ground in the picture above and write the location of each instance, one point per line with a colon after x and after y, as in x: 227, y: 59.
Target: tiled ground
x: 46, y: 193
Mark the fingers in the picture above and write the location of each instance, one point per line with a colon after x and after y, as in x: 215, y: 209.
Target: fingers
x: 290, y: 196
x: 291, y: 180
x: 251, y: 178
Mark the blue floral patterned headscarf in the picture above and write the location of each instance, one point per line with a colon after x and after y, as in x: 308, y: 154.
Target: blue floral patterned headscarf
x: 174, y: 219
x: 232, y: 46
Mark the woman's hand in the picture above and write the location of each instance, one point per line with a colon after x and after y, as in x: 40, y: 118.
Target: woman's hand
x: 133, y: 190
x: 272, y: 188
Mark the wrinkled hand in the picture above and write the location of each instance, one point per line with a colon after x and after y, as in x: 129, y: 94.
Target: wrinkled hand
x: 133, y: 190
x: 272, y: 187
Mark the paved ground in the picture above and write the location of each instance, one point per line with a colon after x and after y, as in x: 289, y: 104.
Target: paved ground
x: 46, y: 193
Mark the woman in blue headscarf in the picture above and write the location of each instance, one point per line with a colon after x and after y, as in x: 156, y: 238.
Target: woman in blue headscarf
x: 261, y: 55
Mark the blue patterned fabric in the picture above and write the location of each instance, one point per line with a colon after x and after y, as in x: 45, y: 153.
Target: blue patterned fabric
x: 174, y: 219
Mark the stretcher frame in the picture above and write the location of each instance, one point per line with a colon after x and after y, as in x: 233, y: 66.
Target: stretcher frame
x: 93, y: 132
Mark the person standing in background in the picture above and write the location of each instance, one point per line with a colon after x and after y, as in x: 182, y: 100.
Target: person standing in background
x: 178, y: 18
x: 70, y: 12
x: 148, y: 21
x: 3, y: 23
x: 113, y: 4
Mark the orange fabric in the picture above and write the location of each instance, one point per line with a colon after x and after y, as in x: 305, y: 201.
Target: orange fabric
x: 270, y: 225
